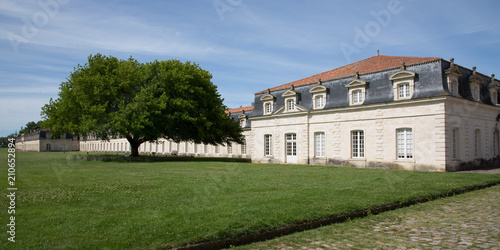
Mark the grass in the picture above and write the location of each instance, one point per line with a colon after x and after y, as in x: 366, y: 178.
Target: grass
x: 468, y: 220
x: 64, y: 203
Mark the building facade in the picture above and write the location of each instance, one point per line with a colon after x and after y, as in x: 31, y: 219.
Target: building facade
x: 413, y: 113
x: 42, y: 141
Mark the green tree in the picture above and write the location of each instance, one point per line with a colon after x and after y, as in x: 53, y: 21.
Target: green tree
x: 141, y: 102
x: 31, y: 126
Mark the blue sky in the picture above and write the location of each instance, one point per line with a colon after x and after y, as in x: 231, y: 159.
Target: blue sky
x: 247, y: 45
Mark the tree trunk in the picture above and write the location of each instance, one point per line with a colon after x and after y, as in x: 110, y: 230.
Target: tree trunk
x: 134, y: 146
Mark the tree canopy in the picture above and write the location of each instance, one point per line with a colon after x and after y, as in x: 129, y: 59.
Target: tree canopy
x: 108, y: 98
x: 31, y: 126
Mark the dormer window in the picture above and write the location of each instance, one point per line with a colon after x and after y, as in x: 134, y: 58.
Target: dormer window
x: 268, y: 103
x: 319, y: 95
x: 493, y: 87
x: 357, y: 90
x: 452, y: 75
x: 403, y: 83
x: 475, y: 82
x: 243, y: 119
x: 290, y: 99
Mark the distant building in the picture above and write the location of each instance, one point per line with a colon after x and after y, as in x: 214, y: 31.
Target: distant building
x: 413, y: 113
x: 42, y: 141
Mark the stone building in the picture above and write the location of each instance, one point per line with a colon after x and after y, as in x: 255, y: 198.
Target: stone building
x: 42, y: 141
x: 413, y: 113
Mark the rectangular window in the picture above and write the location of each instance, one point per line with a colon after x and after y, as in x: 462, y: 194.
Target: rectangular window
x: 405, y: 143
x: 244, y: 147
x: 358, y: 144
x: 319, y: 144
x: 267, y: 145
x: 205, y: 148
x: 357, y: 97
x: 291, y: 145
x: 195, y: 148
x: 404, y: 90
x: 319, y: 102
x: 290, y: 104
x: 454, y: 143
x: 269, y: 108
x: 229, y: 149
x: 217, y: 149
x: 477, y: 143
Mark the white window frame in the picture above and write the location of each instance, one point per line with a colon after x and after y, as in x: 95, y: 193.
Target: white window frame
x: 358, y: 100
x: 268, y: 107
x: 266, y: 100
x: 290, y: 104
x: 268, y: 145
x: 244, y: 147
x: 318, y: 91
x: 404, y: 144
x: 404, y: 90
x: 319, y: 144
x: 358, y: 144
x: 229, y: 149
x: 319, y: 101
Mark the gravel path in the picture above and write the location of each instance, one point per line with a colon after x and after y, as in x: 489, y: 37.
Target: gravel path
x: 467, y: 221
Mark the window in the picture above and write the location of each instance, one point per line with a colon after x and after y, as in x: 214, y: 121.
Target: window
x: 205, y: 148
x: 404, y: 143
x: 267, y: 101
x: 403, y: 83
x: 319, y: 144
x: 319, y: 95
x: 217, y: 149
x: 454, y: 143
x: 195, y: 148
x: 268, y: 108
x: 290, y: 104
x: 357, y: 97
x: 243, y: 122
x: 291, y: 145
x: 244, y: 147
x: 229, y: 149
x: 477, y: 143
x: 319, y: 101
x: 267, y: 145
x: 404, y: 90
x: 358, y: 144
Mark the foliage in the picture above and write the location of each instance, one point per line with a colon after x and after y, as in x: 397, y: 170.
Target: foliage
x: 31, y: 126
x: 109, y: 98
x: 66, y: 203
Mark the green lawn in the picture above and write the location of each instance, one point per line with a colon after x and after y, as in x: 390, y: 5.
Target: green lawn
x: 63, y: 203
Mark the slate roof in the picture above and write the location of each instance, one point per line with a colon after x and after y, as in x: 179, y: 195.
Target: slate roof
x: 368, y: 65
